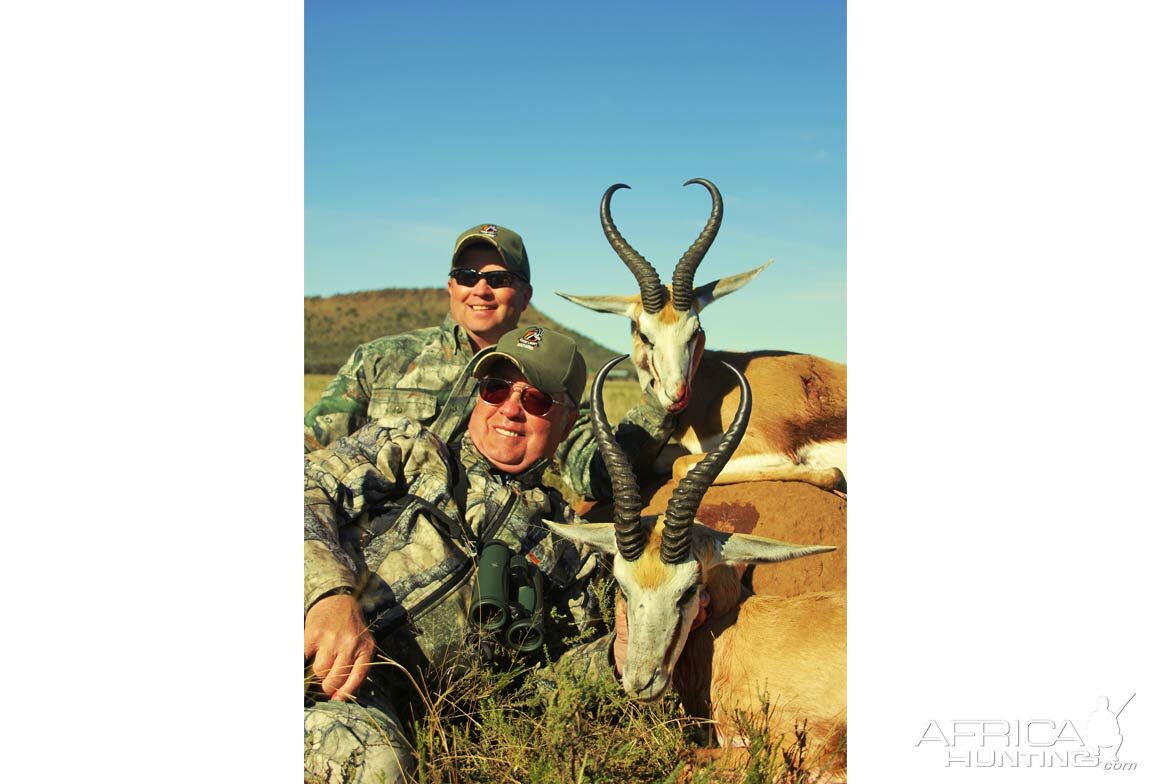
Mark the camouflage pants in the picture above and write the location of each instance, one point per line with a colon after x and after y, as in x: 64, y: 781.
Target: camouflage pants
x: 346, y: 743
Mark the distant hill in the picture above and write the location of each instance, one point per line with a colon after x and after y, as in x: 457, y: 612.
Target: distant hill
x: 334, y: 326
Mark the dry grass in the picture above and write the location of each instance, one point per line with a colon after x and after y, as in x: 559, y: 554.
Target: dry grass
x: 562, y: 725
x: 313, y: 388
x: 493, y: 727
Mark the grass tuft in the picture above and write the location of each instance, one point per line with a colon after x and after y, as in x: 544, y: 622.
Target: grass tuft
x: 561, y: 725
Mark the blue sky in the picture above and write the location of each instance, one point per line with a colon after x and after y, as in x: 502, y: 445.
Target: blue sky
x: 423, y: 121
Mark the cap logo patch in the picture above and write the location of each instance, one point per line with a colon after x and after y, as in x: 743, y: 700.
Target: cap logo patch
x: 489, y: 230
x: 531, y: 338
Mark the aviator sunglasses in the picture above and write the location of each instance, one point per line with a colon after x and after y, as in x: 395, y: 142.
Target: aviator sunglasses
x: 496, y: 279
x: 495, y: 391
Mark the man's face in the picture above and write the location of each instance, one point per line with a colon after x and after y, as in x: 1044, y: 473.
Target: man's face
x: 509, y: 437
x: 486, y: 313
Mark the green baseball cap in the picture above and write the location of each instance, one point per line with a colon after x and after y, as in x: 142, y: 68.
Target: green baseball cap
x: 508, y: 243
x: 550, y: 360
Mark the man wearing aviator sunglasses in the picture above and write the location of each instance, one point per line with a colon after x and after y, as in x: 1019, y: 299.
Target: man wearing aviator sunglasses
x: 396, y: 524
x: 529, y: 386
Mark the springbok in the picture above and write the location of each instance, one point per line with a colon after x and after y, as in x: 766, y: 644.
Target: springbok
x: 788, y: 652
x: 798, y: 430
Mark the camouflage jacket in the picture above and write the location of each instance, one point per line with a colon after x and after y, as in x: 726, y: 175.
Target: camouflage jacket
x: 368, y: 527
x: 417, y: 375
x: 421, y: 375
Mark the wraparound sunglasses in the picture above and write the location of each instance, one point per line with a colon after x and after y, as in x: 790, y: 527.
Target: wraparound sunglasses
x: 496, y: 279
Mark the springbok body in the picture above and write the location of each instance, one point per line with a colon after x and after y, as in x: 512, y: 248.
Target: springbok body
x: 776, y: 659
x: 798, y: 430
x: 664, y: 563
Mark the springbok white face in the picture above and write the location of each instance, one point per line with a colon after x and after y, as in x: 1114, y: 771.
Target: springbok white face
x: 660, y: 563
x: 666, y: 334
x: 667, y: 354
x: 666, y: 346
x: 662, y: 598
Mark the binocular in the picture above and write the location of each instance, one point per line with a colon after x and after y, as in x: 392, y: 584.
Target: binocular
x: 507, y: 600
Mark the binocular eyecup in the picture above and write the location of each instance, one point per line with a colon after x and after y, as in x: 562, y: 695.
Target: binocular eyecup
x: 508, y: 598
x: 525, y: 633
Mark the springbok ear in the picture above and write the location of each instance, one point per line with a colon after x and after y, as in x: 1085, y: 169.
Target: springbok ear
x: 744, y: 548
x: 705, y: 295
x: 617, y: 304
x: 600, y: 536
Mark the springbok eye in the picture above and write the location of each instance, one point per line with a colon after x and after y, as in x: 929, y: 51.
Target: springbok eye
x: 687, y: 596
x: 645, y: 339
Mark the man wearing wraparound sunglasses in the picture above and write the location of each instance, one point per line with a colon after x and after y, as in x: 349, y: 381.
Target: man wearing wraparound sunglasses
x: 389, y: 561
x: 420, y: 374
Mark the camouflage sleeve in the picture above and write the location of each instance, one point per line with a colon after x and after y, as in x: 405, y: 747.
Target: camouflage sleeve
x: 591, y: 662
x: 588, y: 644
x: 578, y: 578
x: 339, y: 482
x: 589, y: 652
x: 343, y: 407
x: 641, y: 433
x: 582, y: 599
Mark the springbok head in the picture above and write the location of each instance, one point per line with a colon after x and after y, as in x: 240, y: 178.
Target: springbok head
x: 665, y: 331
x: 662, y: 562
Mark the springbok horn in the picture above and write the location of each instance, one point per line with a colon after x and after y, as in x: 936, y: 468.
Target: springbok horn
x: 629, y: 534
x: 650, y: 287
x: 683, y: 279
x: 689, y: 494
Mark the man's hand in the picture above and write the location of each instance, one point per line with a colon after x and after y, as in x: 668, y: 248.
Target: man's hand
x: 334, y: 633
